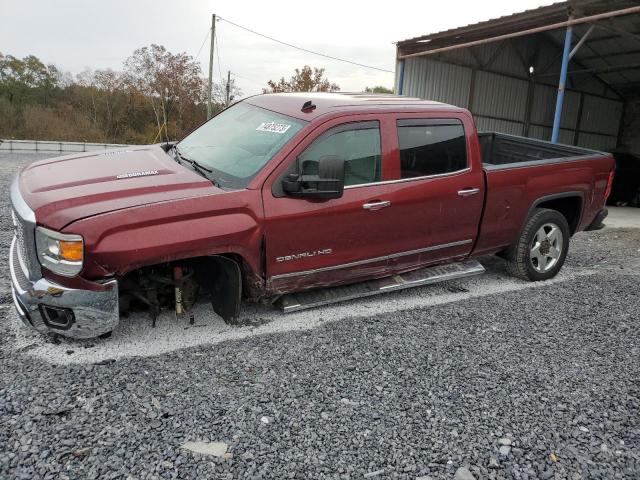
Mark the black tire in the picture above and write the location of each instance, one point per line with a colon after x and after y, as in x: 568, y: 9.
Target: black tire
x: 522, y: 261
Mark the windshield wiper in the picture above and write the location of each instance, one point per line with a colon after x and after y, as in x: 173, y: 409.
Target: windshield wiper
x: 201, y: 169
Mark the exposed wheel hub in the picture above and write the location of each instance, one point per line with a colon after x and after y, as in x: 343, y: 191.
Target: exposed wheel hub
x: 546, y: 247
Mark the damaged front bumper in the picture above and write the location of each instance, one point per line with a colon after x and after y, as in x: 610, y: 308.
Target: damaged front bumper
x: 52, y: 308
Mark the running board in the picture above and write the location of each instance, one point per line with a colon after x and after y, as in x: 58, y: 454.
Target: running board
x: 293, y: 302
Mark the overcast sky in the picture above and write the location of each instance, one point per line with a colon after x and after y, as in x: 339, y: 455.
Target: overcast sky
x: 79, y: 34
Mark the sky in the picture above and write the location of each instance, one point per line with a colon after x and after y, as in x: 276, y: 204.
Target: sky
x: 79, y: 34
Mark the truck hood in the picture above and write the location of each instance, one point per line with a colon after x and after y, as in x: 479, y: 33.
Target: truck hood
x: 64, y: 189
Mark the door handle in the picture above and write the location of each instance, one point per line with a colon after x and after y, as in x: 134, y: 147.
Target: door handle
x: 467, y: 192
x: 376, y: 205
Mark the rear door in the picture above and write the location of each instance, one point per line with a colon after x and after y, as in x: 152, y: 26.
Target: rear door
x: 439, y: 195
x: 314, y: 242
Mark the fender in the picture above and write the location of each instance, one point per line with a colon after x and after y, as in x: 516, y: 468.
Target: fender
x: 125, y: 240
x: 557, y: 196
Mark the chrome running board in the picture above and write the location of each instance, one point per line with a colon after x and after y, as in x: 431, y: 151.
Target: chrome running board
x: 293, y: 302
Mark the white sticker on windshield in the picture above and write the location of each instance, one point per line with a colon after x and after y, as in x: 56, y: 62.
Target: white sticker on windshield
x: 273, y: 127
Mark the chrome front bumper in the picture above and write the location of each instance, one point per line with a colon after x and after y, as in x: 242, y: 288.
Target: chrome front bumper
x: 82, y: 313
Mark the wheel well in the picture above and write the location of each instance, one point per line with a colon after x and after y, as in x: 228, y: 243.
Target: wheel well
x: 222, y: 277
x: 570, y: 207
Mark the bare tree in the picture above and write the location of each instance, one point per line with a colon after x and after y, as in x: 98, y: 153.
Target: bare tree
x: 170, y: 81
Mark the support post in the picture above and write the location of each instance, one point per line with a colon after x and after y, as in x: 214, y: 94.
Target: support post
x: 210, y: 84
x: 576, y: 134
x: 621, y: 125
x: 228, y: 99
x: 531, y: 88
x: 561, y: 85
x: 401, y: 78
x: 472, y: 89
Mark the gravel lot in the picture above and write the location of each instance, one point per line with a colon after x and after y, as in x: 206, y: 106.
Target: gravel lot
x: 506, y: 378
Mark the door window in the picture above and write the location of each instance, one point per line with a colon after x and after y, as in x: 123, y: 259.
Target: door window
x: 431, y: 147
x: 357, y: 143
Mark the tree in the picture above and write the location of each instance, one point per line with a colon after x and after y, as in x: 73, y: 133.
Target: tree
x: 378, y: 89
x: 169, y: 81
x: 22, y: 80
x: 220, y: 93
x: 306, y: 80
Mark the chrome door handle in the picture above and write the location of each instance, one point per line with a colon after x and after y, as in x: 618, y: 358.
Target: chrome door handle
x: 376, y: 205
x: 467, y: 192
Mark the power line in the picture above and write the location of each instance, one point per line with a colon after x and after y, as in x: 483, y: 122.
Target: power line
x: 218, y: 57
x: 203, y: 42
x: 247, y: 78
x: 235, y: 74
x: 217, y: 50
x: 305, y: 49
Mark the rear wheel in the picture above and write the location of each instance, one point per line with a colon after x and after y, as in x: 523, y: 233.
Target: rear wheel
x: 542, y: 247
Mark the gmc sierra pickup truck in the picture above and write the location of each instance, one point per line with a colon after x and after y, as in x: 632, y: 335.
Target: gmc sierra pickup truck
x: 294, y: 199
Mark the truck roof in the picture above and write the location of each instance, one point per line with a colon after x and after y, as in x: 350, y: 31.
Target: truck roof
x: 293, y: 104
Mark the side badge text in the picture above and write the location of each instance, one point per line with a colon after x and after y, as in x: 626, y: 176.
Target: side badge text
x: 298, y: 256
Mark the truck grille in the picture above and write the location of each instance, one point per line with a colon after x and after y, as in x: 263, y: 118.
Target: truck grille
x: 22, y: 249
x: 19, y: 273
x: 26, y: 248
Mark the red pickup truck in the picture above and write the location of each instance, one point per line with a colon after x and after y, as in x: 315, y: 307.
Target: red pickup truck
x: 299, y: 199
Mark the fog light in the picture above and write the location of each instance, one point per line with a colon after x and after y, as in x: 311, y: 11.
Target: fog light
x: 57, y: 317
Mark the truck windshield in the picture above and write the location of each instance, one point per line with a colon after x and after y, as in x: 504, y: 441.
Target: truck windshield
x: 238, y: 142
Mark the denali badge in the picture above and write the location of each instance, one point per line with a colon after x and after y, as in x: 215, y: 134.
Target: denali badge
x: 137, y: 174
x: 298, y: 256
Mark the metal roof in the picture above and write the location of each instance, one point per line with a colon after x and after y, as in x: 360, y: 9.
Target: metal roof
x: 492, y: 27
x: 611, y: 51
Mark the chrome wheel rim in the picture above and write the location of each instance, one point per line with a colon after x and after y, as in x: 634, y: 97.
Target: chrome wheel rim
x: 546, y: 248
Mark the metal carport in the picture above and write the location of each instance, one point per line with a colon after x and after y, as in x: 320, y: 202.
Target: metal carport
x: 510, y: 72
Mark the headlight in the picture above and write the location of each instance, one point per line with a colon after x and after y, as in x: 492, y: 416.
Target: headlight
x: 62, y: 253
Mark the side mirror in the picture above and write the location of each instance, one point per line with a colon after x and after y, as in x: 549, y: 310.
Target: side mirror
x: 328, y: 183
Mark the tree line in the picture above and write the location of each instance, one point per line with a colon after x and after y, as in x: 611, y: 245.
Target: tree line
x: 157, y: 96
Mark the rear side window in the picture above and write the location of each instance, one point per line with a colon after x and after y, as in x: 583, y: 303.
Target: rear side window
x: 357, y: 143
x: 431, y: 147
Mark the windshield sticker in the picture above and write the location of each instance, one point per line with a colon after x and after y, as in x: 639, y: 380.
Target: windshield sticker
x: 273, y: 127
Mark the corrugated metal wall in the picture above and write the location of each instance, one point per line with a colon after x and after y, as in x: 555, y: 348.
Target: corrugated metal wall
x: 447, y: 83
x: 498, y: 99
x: 499, y: 102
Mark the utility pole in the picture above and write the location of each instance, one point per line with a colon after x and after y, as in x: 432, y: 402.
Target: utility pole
x: 228, y: 86
x: 210, y: 86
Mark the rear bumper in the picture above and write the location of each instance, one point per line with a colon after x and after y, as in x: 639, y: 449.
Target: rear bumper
x: 51, y: 308
x: 597, y: 222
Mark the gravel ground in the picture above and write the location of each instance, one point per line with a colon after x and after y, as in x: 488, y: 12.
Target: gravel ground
x: 509, y: 379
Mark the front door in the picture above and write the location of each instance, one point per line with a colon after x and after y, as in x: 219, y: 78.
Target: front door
x: 314, y: 242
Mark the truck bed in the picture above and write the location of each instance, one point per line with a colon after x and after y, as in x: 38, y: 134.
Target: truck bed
x: 522, y: 173
x: 500, y: 150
